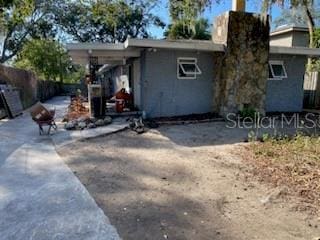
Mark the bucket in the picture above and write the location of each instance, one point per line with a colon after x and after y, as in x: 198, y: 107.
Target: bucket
x: 119, y: 105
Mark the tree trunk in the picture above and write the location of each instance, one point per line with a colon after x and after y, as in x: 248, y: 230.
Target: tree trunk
x: 311, y: 26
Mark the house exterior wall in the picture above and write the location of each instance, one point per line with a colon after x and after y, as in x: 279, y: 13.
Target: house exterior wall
x: 286, y: 95
x: 284, y: 40
x: 300, y: 39
x: 137, y: 82
x: 294, y: 38
x: 164, y: 94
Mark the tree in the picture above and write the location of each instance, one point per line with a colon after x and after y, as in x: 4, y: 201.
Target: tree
x: 180, y: 30
x: 107, y: 20
x: 295, y: 16
x: 47, y: 58
x: 21, y: 19
x: 186, y: 21
x: 306, y: 6
x: 316, y: 38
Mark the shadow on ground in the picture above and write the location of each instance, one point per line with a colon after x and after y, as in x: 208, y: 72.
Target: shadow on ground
x: 144, y: 199
x: 179, y: 182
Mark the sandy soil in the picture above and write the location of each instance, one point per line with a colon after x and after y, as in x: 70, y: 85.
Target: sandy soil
x: 184, y: 182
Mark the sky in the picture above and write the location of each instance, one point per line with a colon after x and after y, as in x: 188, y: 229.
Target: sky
x: 216, y: 9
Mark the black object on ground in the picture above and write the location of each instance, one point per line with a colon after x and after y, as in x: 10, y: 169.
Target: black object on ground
x: 98, y: 106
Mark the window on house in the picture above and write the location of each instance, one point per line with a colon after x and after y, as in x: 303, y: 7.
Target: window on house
x: 187, y: 68
x: 277, y: 70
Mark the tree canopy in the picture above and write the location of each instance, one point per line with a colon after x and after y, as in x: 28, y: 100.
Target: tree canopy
x: 22, y: 19
x: 296, y: 16
x: 186, y: 20
x: 47, y: 58
x: 40, y: 22
x: 107, y: 20
x: 87, y: 20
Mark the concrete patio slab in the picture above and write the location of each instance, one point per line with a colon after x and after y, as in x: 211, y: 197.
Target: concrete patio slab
x: 40, y: 198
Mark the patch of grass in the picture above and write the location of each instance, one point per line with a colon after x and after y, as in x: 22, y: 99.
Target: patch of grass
x: 293, y: 162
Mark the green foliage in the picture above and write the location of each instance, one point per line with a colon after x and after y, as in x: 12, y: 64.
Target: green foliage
x: 295, y: 145
x: 316, y: 38
x: 84, y: 21
x: 248, y: 112
x: 187, y: 10
x: 107, y: 20
x: 47, y: 58
x: 74, y: 74
x: 186, y: 19
x: 180, y: 30
x: 265, y: 137
x: 252, y: 136
x: 21, y: 19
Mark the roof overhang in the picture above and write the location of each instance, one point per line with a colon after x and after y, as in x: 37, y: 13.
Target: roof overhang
x: 116, y: 53
x: 193, y: 45
x: 106, y: 53
x: 304, y: 51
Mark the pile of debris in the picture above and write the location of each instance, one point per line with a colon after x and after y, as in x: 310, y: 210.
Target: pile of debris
x: 76, y: 109
x: 87, y: 122
x: 78, y: 116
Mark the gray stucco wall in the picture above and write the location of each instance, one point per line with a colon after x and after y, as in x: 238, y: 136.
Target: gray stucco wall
x: 286, y: 95
x: 290, y: 39
x: 164, y: 94
x: 300, y: 39
x: 284, y: 39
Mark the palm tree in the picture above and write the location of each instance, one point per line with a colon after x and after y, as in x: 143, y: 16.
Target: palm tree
x: 186, y: 21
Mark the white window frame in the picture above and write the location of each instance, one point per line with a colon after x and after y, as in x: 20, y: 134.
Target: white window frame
x: 274, y: 77
x: 189, y: 75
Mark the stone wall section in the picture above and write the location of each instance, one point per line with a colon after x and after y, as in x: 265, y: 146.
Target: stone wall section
x: 242, y: 72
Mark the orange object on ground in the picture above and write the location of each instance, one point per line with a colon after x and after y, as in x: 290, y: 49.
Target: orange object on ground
x: 120, y: 105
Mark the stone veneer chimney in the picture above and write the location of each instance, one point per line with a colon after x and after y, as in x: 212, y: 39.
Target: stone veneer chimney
x: 241, y: 73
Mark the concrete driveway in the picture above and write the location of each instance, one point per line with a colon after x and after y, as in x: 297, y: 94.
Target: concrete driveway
x: 40, y: 198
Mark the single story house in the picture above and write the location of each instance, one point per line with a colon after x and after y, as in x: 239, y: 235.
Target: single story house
x: 241, y: 66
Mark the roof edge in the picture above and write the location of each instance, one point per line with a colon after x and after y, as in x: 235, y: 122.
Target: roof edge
x: 305, y: 51
x: 95, y: 46
x: 288, y: 29
x: 197, y: 45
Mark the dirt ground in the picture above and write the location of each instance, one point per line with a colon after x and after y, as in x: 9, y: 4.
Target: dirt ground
x: 184, y: 182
